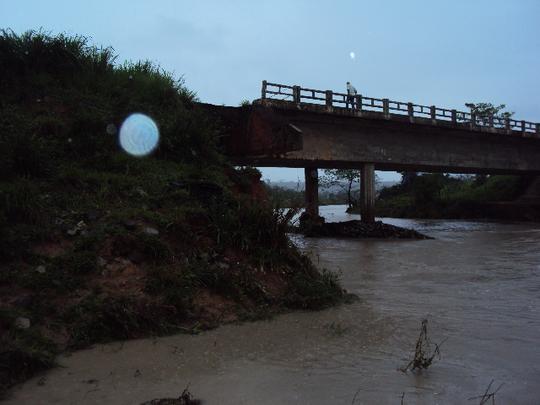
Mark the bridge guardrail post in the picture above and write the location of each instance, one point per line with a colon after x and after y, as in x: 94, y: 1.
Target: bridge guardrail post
x: 454, y: 118
x: 473, y: 120
x: 410, y: 112
x: 263, y: 89
x: 386, y: 108
x: 538, y: 129
x: 523, y: 127
x: 359, y: 103
x: 490, y: 120
x: 507, y: 125
x: 296, y: 94
x: 329, y: 100
x: 433, y: 113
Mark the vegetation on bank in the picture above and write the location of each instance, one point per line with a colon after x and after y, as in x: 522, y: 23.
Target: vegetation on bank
x: 98, y: 245
x: 444, y: 196
x: 287, y: 197
x: 428, y: 196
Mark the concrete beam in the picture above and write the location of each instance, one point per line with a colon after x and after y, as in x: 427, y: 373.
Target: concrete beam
x: 312, y: 191
x: 284, y: 137
x: 367, y: 192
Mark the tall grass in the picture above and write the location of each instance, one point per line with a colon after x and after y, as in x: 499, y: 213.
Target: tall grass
x: 73, y: 90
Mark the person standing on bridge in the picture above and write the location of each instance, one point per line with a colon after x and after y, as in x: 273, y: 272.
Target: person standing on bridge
x: 351, y: 95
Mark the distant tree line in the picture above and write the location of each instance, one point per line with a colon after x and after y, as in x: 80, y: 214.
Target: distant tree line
x: 286, y: 198
x: 438, y: 195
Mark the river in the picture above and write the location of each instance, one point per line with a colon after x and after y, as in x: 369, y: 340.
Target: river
x: 477, y: 283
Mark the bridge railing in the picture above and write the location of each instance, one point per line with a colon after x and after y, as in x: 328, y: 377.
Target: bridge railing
x: 387, y: 108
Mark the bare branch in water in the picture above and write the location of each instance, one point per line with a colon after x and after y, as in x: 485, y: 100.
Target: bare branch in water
x: 355, y: 395
x: 487, y: 395
x: 422, y: 357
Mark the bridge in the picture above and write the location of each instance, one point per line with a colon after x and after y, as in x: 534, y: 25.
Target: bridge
x: 291, y: 126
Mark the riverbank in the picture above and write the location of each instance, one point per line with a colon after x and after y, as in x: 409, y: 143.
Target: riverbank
x: 100, y: 245
x: 476, y: 283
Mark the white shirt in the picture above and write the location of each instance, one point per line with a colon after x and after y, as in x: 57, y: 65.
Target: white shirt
x: 351, y: 91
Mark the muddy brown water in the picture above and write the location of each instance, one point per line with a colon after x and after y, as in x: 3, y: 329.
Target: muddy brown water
x: 478, y: 284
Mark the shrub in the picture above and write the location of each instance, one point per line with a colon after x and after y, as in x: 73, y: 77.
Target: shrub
x: 309, y: 292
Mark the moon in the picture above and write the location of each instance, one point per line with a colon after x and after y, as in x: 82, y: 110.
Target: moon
x: 352, y: 55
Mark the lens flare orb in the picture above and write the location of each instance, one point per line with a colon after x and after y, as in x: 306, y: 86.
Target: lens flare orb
x: 139, y: 135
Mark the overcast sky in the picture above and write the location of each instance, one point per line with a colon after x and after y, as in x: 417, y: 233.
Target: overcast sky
x: 444, y: 52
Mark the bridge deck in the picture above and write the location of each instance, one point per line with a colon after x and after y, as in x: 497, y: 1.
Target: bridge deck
x: 327, y: 101
x: 311, y: 128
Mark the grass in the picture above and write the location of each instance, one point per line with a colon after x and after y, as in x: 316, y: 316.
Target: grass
x: 308, y: 292
x: 23, y: 353
x: 103, y: 319
x: 77, y: 255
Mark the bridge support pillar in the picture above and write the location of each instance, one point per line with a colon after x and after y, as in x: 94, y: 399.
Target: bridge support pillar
x: 312, y: 191
x: 367, y: 192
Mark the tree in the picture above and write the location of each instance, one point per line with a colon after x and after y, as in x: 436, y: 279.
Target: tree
x: 344, y: 178
x: 407, y: 179
x: 483, y: 111
x: 480, y: 179
x: 427, y: 189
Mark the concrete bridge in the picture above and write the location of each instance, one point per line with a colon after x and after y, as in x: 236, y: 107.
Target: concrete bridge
x: 290, y: 126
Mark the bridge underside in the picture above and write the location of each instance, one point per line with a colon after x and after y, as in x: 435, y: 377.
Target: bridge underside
x: 276, y: 136
x: 258, y: 162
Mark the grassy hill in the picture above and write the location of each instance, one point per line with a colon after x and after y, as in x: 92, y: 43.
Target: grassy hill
x: 97, y: 245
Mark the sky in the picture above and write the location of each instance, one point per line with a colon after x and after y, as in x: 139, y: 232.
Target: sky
x: 444, y: 52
